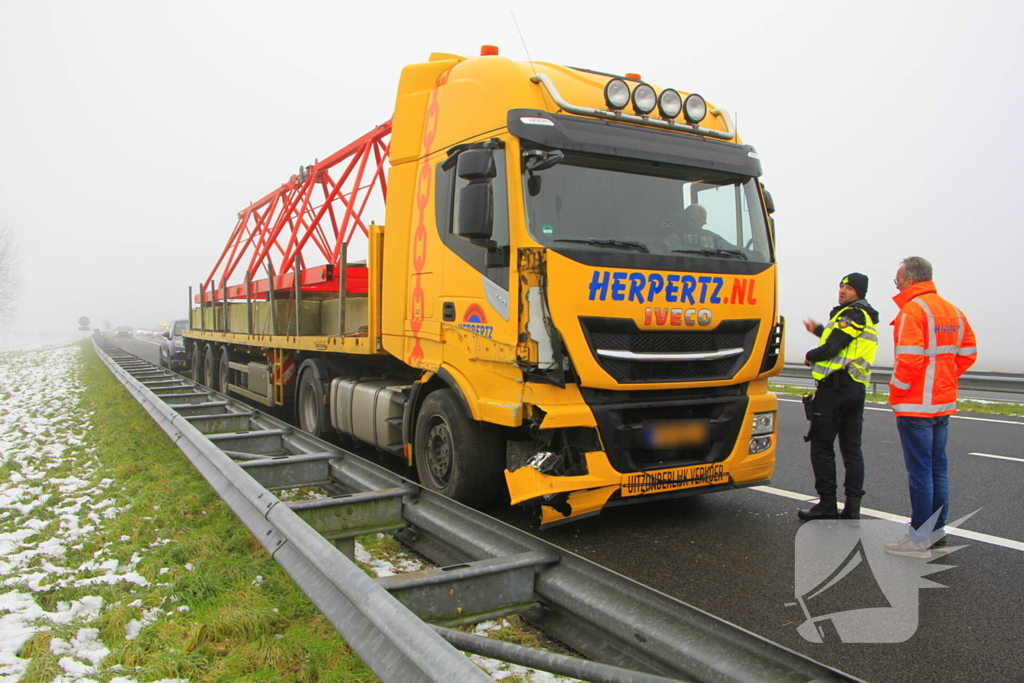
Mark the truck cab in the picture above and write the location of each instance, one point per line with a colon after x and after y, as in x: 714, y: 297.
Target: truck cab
x: 601, y: 288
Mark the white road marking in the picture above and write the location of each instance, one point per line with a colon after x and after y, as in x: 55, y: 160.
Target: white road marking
x: 986, y: 419
x: 998, y: 457
x: 963, y: 533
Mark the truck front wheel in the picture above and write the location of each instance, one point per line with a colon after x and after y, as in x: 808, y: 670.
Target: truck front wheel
x: 456, y: 455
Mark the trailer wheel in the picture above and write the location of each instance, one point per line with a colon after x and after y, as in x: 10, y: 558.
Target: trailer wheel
x: 455, y: 455
x: 197, y: 364
x: 309, y: 405
x: 210, y: 367
x: 222, y: 375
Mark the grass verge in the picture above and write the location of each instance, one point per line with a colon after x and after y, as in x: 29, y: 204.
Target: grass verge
x: 216, y: 608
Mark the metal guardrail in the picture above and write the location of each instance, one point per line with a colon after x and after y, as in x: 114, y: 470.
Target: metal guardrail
x: 400, y: 625
x: 992, y: 382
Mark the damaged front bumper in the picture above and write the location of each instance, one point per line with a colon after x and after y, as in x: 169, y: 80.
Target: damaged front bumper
x: 569, y: 498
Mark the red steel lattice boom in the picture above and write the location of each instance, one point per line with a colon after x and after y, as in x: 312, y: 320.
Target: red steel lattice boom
x: 322, y: 205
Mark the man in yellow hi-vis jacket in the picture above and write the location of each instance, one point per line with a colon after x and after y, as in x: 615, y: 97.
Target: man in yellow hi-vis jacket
x: 841, y: 367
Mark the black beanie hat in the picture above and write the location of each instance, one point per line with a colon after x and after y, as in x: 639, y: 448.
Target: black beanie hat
x: 859, y: 282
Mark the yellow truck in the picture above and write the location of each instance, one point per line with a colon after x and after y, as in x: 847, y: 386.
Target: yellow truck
x: 571, y: 303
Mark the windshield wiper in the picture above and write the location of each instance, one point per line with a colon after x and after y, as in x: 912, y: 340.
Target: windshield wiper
x: 712, y: 252
x: 611, y: 243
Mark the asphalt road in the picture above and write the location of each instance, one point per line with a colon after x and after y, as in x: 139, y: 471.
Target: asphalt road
x: 733, y: 554
x: 143, y: 347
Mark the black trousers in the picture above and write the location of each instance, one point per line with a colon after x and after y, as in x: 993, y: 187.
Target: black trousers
x: 838, y: 411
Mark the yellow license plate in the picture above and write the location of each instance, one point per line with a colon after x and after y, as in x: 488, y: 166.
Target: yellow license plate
x: 659, y: 481
x: 670, y: 434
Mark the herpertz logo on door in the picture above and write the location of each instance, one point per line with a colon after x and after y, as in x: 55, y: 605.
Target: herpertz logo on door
x: 850, y: 590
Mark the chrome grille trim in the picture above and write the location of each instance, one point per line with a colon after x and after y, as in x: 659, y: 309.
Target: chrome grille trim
x: 693, y: 356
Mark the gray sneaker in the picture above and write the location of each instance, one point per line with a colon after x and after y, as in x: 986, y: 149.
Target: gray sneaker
x: 909, y: 548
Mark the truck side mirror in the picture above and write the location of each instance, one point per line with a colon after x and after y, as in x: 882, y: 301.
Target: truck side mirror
x: 477, y: 164
x: 476, y: 198
x: 769, y: 203
x: 536, y: 160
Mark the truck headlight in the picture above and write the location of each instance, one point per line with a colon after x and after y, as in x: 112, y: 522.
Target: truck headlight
x: 695, y: 108
x: 761, y: 432
x: 764, y: 423
x: 669, y: 103
x: 644, y: 99
x: 616, y: 94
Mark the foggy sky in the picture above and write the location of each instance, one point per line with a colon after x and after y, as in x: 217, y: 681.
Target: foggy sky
x: 132, y: 133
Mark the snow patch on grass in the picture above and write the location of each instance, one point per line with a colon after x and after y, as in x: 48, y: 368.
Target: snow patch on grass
x: 51, y: 502
x: 54, y: 501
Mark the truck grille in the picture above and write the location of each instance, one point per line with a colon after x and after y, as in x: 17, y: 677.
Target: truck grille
x: 734, y: 338
x: 622, y: 417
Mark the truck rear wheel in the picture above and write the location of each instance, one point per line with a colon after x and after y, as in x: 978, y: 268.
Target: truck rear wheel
x: 222, y: 374
x: 210, y: 367
x: 197, y: 363
x: 309, y: 404
x: 455, y: 455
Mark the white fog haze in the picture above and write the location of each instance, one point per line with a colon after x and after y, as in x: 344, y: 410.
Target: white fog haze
x: 132, y: 133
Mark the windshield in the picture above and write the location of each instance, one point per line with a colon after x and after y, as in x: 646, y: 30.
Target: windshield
x: 592, y: 202
x: 178, y: 327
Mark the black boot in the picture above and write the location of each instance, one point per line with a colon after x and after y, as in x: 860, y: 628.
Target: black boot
x: 825, y: 509
x: 852, y: 508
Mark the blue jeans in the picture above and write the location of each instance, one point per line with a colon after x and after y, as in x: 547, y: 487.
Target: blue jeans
x: 924, y: 451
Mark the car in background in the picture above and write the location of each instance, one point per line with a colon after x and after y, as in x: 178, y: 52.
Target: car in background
x: 172, y: 347
x: 124, y: 331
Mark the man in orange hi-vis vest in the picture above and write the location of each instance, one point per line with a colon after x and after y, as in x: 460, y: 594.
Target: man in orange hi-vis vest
x: 934, y: 345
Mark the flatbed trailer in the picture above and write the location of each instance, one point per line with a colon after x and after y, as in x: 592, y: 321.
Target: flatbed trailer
x: 568, y: 306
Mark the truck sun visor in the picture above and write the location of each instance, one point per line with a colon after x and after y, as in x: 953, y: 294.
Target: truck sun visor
x: 574, y: 133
